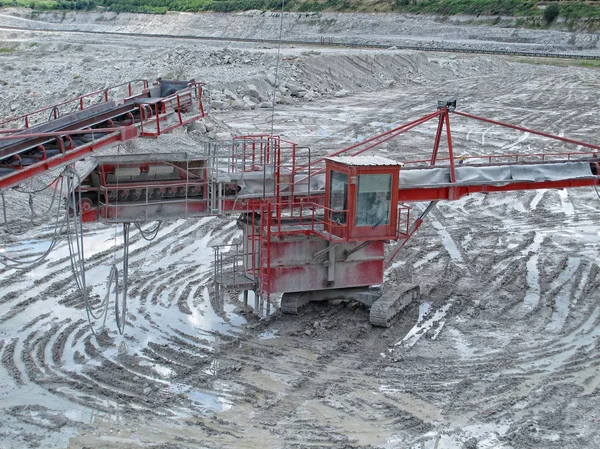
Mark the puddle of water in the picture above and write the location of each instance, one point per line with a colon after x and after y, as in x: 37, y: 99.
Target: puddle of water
x: 423, y: 325
x: 163, y: 371
x: 562, y: 300
x: 203, y: 401
x: 536, y: 199
x: 428, y: 258
x: 448, y: 242
x: 269, y: 334
x: 461, y: 344
x: 209, y: 402
x: 567, y: 206
x: 532, y: 297
x: 447, y: 438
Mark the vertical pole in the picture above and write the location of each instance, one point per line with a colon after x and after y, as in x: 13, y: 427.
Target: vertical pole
x: 157, y: 120
x: 142, y: 118
x: 450, y: 152
x: 308, y: 179
x: 179, y: 109
x: 438, y: 137
x: 246, y: 298
x: 243, y: 164
x: 331, y: 266
x: 200, y: 105
x: 292, y: 177
x: 268, y: 151
x: 268, y: 280
x: 215, y: 262
x: 277, y: 180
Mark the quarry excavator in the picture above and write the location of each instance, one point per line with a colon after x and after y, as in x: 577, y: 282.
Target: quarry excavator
x: 313, y: 228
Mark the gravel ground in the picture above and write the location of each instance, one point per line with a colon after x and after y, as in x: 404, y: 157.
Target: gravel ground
x: 502, y: 351
x: 358, y: 28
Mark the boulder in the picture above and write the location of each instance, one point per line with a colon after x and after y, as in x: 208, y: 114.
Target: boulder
x: 216, y: 104
x: 252, y: 91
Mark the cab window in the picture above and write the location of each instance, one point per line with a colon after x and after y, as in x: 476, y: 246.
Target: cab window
x: 373, y: 202
x: 338, y: 197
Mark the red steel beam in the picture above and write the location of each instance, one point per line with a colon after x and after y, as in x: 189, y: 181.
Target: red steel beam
x: 65, y: 133
x: 391, y: 133
x: 455, y: 192
x: 527, y: 130
x: 20, y: 175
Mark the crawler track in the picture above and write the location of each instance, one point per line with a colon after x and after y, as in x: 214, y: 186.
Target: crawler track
x: 391, y: 303
x: 292, y: 302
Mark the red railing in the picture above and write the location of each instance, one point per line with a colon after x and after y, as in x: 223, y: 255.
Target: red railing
x: 403, y: 223
x: 181, y: 105
x: 77, y: 103
x: 515, y: 158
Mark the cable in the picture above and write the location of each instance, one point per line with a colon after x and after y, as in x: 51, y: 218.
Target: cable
x: 73, y: 225
x: 54, y: 111
x: 23, y: 264
x: 17, y: 189
x: 153, y: 233
x: 120, y: 316
x: 277, y: 68
x: 77, y: 254
x: 59, y: 178
x: 7, y: 227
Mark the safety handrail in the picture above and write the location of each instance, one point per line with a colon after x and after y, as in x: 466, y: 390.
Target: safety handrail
x: 514, y: 158
x: 402, y: 225
x: 310, y: 214
x: 179, y: 102
x: 54, y: 109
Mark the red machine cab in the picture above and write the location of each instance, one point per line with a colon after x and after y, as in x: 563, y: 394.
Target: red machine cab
x: 362, y: 197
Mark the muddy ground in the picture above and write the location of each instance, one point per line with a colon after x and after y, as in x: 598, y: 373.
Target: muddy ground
x: 502, y: 350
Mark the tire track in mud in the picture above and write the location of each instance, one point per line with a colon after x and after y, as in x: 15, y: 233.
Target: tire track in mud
x: 513, y: 365
x: 169, y: 338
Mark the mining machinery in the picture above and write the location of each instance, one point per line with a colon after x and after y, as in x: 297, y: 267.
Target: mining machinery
x: 313, y: 228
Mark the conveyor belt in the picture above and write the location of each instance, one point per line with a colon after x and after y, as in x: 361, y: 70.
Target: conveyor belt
x: 88, y: 118
x: 159, y: 108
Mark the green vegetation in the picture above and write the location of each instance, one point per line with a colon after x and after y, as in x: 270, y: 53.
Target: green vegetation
x: 51, y: 4
x: 474, y: 7
x: 551, y: 12
x: 587, y: 63
x: 529, y: 9
x: 6, y: 50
